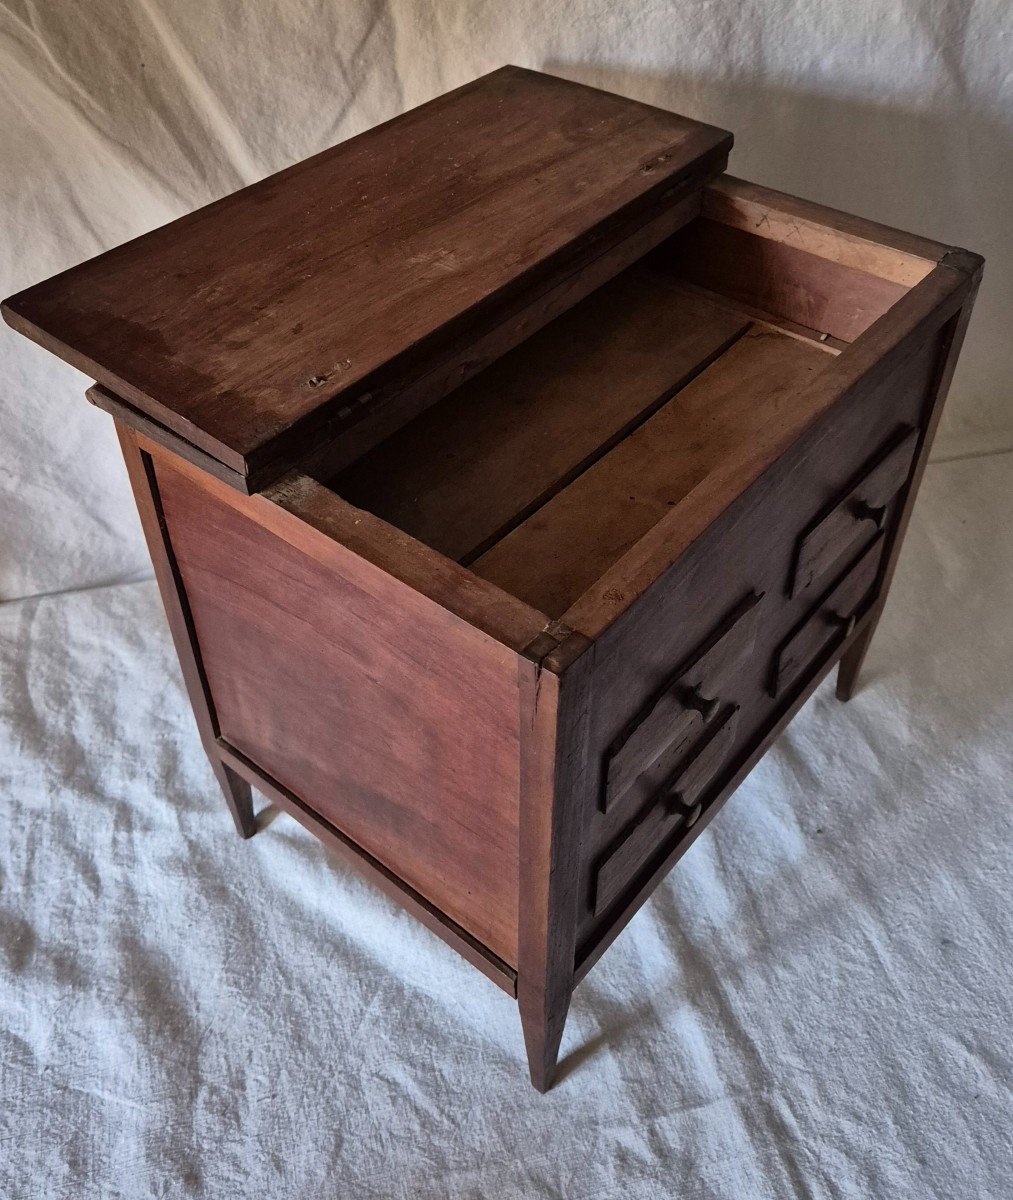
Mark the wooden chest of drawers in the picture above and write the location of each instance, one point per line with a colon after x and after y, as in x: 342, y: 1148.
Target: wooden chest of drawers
x: 511, y: 478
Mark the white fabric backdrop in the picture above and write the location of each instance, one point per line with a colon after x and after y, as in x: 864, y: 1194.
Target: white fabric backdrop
x: 126, y: 113
x: 817, y: 1003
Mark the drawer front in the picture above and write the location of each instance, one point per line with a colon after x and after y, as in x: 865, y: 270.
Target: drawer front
x: 855, y: 517
x: 832, y: 620
x: 678, y: 714
x: 674, y: 809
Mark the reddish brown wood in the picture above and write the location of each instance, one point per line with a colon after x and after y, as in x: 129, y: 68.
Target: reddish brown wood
x: 237, y: 792
x: 556, y: 405
x: 786, y: 281
x: 246, y: 323
x: 864, y: 368
x: 392, y: 406
x: 555, y: 702
x: 840, y: 237
x: 459, y: 939
x: 755, y: 388
x: 396, y: 719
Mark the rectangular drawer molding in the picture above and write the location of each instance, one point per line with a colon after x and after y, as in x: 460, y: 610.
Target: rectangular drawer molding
x: 688, y: 700
x: 857, y: 515
x: 674, y: 807
x: 832, y: 619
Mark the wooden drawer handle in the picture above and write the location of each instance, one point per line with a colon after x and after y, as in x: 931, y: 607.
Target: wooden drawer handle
x: 694, y: 698
x: 838, y: 610
x: 861, y: 510
x: 842, y: 528
x: 662, y: 731
x: 670, y: 813
x: 846, y: 623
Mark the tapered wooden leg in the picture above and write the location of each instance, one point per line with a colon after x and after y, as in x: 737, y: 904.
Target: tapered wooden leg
x: 237, y: 791
x: 542, y: 1020
x: 851, y: 662
x: 239, y: 798
x: 555, y: 705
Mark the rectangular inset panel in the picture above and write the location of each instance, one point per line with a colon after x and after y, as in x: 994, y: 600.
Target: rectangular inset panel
x: 395, y: 720
x: 675, y: 806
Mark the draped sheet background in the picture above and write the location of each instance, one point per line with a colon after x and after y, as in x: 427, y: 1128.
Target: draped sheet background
x: 818, y: 1002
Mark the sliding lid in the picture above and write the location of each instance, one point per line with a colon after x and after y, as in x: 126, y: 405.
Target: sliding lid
x: 245, y: 326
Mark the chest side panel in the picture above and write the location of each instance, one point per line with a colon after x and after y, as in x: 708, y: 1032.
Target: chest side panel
x: 392, y: 718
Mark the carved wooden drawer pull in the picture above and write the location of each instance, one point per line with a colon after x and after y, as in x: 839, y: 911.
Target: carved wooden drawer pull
x: 830, y: 622
x: 687, y: 702
x: 677, y: 806
x: 860, y: 513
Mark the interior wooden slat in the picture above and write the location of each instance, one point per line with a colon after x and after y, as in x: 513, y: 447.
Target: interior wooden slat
x: 560, y: 550
x: 791, y: 283
x: 464, y: 473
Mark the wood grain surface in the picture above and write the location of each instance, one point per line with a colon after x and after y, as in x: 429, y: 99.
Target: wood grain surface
x: 393, y: 719
x: 475, y: 465
x: 237, y: 322
x: 757, y: 385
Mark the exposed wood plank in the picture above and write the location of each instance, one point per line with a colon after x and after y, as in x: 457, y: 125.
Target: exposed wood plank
x: 341, y: 441
x: 475, y: 465
x: 840, y: 237
x: 757, y: 388
x: 790, y: 283
x: 237, y: 322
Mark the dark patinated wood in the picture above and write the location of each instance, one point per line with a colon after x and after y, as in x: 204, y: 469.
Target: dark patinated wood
x: 675, y: 804
x: 240, y: 325
x: 832, y: 619
x: 687, y: 701
x: 970, y: 267
x: 857, y: 515
x: 509, y: 491
x: 555, y: 697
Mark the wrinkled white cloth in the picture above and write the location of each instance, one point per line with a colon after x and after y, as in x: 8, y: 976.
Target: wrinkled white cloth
x: 147, y: 109
x: 816, y: 1003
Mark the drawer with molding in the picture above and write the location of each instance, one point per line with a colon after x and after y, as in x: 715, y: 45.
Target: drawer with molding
x: 511, y: 477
